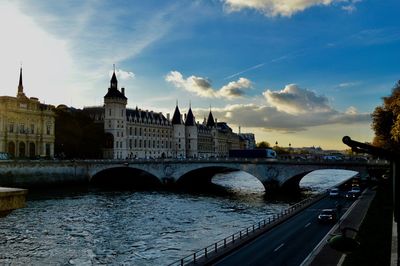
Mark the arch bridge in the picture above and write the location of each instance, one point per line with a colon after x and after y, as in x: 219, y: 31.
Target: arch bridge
x: 193, y: 173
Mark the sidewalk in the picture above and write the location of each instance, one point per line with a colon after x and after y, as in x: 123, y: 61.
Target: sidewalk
x: 323, y: 254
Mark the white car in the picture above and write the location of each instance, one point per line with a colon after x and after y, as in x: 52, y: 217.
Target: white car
x: 334, y: 192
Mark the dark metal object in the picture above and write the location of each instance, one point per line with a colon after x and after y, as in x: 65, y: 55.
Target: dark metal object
x: 394, y: 159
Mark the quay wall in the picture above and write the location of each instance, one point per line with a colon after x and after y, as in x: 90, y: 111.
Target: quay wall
x: 41, y: 174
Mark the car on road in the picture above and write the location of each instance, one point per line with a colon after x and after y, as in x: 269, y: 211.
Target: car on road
x: 334, y: 192
x: 353, y: 193
x: 327, y: 216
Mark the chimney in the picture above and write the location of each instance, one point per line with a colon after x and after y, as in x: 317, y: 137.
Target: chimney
x: 216, y: 120
x: 168, y: 116
x: 185, y: 116
x: 123, y: 91
x: 239, y: 130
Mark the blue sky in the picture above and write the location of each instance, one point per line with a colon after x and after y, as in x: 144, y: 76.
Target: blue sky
x: 305, y: 72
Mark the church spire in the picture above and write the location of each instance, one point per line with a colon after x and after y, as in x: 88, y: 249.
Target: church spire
x: 20, y: 85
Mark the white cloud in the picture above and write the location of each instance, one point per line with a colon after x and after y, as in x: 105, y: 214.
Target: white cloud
x: 202, y: 86
x: 348, y: 84
x: 289, y: 110
x: 287, y: 8
x: 351, y: 110
x: 351, y: 6
x: 122, y: 74
x: 295, y: 100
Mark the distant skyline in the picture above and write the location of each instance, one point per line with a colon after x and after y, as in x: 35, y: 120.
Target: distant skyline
x: 300, y: 72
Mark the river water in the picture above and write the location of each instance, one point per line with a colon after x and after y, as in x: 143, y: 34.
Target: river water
x: 139, y: 227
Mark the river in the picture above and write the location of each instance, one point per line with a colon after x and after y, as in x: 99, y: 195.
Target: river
x: 138, y: 227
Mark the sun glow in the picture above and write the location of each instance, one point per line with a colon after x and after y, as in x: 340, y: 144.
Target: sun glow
x: 46, y: 63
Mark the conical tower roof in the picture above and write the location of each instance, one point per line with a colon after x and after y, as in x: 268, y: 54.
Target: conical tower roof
x: 210, y: 120
x: 113, y: 91
x: 190, y: 121
x: 176, y: 119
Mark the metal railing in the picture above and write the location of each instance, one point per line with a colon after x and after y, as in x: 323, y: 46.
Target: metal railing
x: 245, y: 234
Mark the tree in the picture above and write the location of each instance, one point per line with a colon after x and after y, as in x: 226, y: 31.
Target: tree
x: 386, y: 121
x: 263, y: 145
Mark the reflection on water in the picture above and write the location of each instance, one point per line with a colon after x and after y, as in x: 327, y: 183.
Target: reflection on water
x: 135, y: 228
x: 323, y: 179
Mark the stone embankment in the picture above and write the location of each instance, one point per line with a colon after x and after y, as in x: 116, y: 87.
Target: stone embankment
x: 11, y: 199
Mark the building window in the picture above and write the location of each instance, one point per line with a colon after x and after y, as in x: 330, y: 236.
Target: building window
x: 32, y: 128
x: 140, y: 143
x: 122, y: 113
x: 109, y: 123
x: 109, y: 111
x: 48, y: 129
x: 22, y: 128
x: 135, y: 143
x: 135, y: 131
x: 130, y: 131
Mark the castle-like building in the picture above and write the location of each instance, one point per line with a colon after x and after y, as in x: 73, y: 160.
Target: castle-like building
x: 136, y: 133
x: 26, y: 126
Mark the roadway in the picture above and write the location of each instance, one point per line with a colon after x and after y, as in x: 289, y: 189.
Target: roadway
x: 289, y: 243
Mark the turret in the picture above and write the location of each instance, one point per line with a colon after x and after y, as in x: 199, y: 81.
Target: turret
x: 115, y: 120
x: 179, y: 134
x: 191, y: 135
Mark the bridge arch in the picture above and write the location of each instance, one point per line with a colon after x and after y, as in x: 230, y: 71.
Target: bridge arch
x: 124, y: 177
x: 201, y: 177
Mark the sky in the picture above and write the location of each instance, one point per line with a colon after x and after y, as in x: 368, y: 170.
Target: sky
x: 298, y: 72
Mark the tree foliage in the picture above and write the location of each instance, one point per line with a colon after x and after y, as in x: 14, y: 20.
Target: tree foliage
x: 77, y: 136
x: 263, y: 145
x: 386, y: 121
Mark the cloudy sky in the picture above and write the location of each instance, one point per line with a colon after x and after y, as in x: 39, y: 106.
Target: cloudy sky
x: 305, y: 72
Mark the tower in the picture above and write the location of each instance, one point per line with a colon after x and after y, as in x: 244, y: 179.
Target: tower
x: 115, y: 121
x: 191, y: 135
x: 214, y: 132
x: 179, y: 134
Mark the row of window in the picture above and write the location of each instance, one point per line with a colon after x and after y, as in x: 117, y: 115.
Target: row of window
x: 26, y: 130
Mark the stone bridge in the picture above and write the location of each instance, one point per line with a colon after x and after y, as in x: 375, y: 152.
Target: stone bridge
x: 192, y: 173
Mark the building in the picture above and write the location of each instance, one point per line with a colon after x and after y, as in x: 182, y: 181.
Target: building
x: 26, y: 126
x: 135, y: 133
x: 247, y: 141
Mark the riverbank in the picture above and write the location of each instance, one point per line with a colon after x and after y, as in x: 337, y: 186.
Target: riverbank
x: 11, y: 199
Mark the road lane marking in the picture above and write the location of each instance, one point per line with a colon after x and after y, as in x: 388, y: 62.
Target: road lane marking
x: 281, y: 245
x: 307, y: 225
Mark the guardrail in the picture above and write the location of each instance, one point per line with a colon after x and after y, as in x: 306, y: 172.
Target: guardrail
x: 218, y: 248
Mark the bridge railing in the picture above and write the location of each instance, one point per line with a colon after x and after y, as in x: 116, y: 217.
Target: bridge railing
x: 203, y: 255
